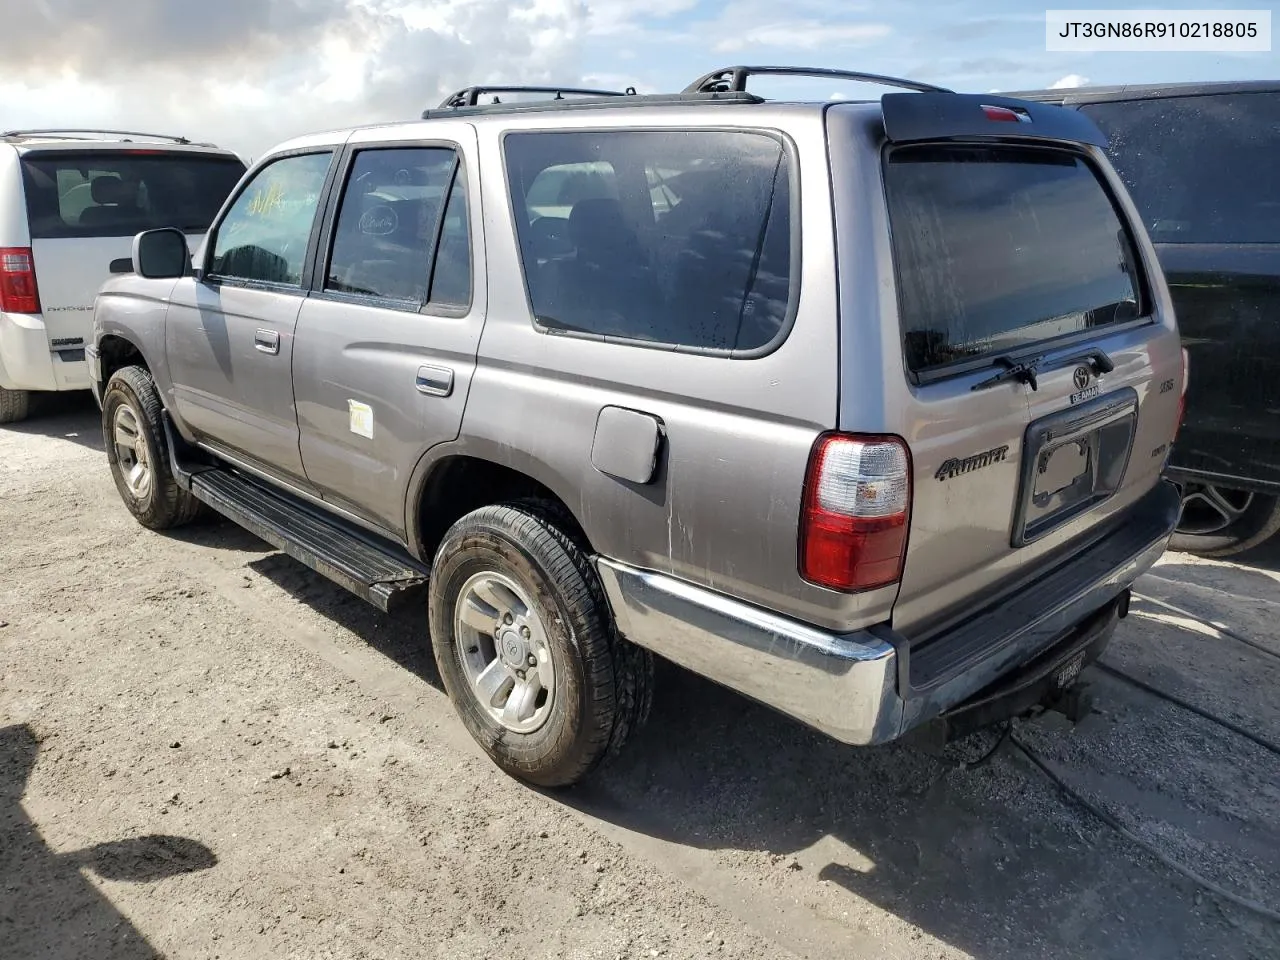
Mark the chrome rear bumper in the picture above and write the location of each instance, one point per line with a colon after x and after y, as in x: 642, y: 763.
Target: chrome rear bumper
x: 859, y: 687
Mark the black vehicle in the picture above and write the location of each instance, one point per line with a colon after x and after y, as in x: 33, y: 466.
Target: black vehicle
x: 1201, y: 161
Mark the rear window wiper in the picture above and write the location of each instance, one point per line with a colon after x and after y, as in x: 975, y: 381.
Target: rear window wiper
x: 1027, y: 371
x: 1095, y: 356
x: 1023, y: 371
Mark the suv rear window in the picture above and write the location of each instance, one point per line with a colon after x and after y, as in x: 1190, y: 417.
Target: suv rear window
x: 998, y: 248
x: 1201, y: 169
x: 118, y: 194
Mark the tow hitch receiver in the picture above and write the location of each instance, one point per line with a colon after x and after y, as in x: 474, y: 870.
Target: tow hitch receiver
x: 1050, y: 682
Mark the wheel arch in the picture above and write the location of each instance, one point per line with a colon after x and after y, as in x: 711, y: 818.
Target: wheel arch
x: 116, y: 351
x: 453, y: 479
x: 118, y: 346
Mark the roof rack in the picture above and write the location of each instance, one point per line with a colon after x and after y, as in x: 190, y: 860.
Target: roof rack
x: 734, y: 79
x: 470, y: 96
x: 592, y: 103
x: 73, y: 133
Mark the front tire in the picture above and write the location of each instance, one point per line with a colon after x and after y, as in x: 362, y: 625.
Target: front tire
x: 138, y: 455
x: 1222, y: 521
x: 527, y: 650
x: 14, y: 405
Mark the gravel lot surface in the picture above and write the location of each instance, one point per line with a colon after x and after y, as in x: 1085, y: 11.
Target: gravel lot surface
x: 206, y: 750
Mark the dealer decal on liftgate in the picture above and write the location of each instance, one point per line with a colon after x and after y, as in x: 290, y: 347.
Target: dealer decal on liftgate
x: 1086, y: 388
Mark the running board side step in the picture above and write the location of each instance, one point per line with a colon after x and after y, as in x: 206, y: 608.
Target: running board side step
x: 373, y: 569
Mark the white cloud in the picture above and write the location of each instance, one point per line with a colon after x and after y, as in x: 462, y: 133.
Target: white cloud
x: 1069, y: 81
x: 278, y: 68
x: 804, y: 35
x: 613, y: 17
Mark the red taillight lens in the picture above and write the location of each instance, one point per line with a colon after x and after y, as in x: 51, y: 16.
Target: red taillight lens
x: 18, y: 292
x: 857, y: 498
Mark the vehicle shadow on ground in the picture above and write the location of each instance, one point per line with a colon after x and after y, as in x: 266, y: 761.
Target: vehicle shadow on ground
x: 71, y: 416
x: 992, y: 861
x: 1240, y: 599
x: 1266, y: 555
x: 214, y: 531
x: 48, y: 907
x: 401, y: 637
x: 1252, y: 579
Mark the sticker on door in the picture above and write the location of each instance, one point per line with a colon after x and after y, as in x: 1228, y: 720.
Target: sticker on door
x: 361, y: 418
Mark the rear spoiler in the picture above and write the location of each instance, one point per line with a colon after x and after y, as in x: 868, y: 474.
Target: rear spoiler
x: 963, y: 116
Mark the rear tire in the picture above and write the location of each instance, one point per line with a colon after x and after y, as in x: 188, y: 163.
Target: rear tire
x: 138, y: 455
x: 1222, y: 521
x: 14, y: 405
x: 527, y: 650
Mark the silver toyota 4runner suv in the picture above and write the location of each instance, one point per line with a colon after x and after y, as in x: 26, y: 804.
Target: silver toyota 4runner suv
x: 858, y: 408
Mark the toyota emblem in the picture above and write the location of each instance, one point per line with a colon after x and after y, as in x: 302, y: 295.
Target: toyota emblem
x: 1082, y: 376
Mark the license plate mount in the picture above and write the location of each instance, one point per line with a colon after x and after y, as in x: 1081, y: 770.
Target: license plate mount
x: 1072, y: 461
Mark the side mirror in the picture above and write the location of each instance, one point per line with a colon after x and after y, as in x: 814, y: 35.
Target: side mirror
x: 161, y: 254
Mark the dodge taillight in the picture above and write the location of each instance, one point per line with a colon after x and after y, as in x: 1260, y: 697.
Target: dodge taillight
x: 857, y: 499
x: 18, y: 292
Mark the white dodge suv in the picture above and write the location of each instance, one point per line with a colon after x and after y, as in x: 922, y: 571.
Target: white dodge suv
x: 71, y: 202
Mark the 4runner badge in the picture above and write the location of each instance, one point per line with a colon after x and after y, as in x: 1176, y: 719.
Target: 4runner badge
x: 956, y: 467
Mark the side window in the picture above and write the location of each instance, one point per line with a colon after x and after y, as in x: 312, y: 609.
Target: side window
x: 390, y: 241
x: 451, y: 276
x: 675, y: 237
x: 264, y: 235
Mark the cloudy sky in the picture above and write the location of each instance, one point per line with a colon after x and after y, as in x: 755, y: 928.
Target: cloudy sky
x: 249, y: 73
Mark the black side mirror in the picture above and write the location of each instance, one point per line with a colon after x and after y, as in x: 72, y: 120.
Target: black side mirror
x: 161, y: 254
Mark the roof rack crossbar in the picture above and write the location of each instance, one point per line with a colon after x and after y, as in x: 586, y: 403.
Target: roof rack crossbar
x: 734, y: 79
x: 470, y: 96
x: 76, y: 133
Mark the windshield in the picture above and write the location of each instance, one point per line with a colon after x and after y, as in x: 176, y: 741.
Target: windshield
x: 121, y: 193
x: 1001, y: 247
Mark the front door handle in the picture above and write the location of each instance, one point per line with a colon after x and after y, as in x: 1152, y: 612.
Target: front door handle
x: 268, y: 341
x: 435, y: 381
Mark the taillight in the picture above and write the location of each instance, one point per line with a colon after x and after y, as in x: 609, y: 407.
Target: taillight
x: 18, y: 292
x: 857, y: 497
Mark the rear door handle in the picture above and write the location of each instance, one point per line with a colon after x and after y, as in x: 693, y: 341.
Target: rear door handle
x: 268, y: 341
x: 435, y: 381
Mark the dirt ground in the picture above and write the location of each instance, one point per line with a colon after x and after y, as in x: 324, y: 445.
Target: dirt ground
x: 208, y: 751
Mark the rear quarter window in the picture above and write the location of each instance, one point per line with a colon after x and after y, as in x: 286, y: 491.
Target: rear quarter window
x: 998, y: 248
x: 680, y: 238
x: 121, y: 193
x: 1201, y: 169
